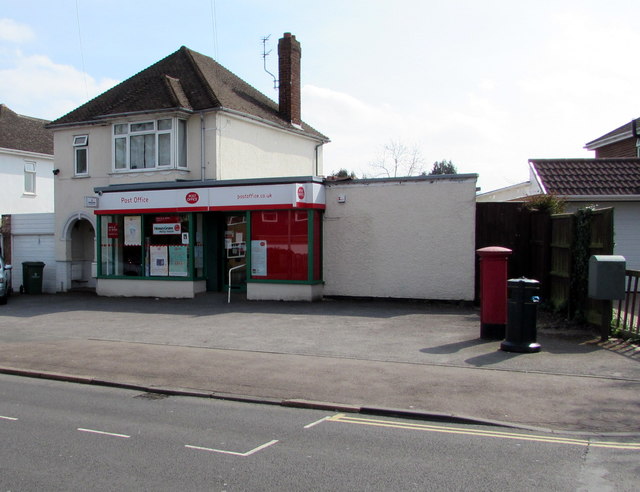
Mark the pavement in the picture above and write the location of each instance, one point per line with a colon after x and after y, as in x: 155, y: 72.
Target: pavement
x: 417, y: 359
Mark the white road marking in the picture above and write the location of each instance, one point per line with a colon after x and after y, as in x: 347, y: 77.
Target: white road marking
x: 233, y: 453
x: 7, y: 418
x: 308, y: 426
x: 93, y: 431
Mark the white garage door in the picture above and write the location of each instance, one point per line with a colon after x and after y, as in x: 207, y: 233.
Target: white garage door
x: 34, y: 248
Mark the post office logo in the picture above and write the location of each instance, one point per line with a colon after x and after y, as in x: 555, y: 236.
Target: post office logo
x: 192, y: 197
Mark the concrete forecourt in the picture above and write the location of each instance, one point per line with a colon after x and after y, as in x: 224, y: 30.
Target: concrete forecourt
x: 418, y: 359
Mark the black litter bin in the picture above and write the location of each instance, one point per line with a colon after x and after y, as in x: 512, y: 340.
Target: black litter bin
x: 522, y: 316
x: 32, y: 276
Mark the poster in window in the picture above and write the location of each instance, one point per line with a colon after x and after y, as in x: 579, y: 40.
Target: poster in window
x: 166, y: 228
x: 112, y: 230
x: 158, y: 264
x: 177, y: 261
x: 259, y: 258
x: 132, y: 230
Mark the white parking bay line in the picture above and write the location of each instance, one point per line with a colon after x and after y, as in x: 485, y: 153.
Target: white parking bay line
x: 93, y: 431
x: 313, y: 424
x: 233, y: 453
x: 2, y: 417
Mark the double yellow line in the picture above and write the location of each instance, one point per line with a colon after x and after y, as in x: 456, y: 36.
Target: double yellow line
x: 348, y: 419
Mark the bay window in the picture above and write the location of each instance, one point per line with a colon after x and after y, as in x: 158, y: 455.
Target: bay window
x: 157, y: 144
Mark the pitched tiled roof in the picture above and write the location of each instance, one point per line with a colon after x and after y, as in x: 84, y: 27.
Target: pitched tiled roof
x: 589, y: 176
x: 183, y: 80
x: 625, y: 131
x: 24, y: 133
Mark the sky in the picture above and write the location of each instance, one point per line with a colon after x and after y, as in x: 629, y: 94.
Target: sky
x: 486, y: 84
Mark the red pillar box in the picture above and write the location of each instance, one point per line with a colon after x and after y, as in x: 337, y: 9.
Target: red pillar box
x: 493, y: 291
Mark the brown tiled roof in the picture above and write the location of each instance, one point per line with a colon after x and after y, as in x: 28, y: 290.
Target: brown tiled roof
x: 183, y: 80
x: 625, y: 131
x: 589, y: 176
x: 24, y: 133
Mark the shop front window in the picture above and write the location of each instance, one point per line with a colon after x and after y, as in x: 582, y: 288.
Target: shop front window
x: 280, y: 245
x: 148, y: 245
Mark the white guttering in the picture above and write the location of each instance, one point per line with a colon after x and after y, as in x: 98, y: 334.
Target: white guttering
x: 103, y: 119
x: 601, y: 198
x: 601, y: 142
x: 25, y: 153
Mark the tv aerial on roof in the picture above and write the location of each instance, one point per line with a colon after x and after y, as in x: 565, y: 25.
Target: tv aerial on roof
x: 266, y: 53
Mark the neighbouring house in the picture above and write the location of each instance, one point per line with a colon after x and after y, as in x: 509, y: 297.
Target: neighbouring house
x: 26, y: 196
x: 611, y: 179
x: 599, y: 183
x: 621, y: 142
x: 184, y: 179
x: 26, y: 164
x: 506, y: 194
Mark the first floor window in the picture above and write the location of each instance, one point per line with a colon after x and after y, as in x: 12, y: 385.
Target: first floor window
x: 30, y: 178
x: 81, y: 150
x: 149, y: 144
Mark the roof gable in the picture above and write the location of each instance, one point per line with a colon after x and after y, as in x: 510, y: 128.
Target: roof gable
x: 571, y: 177
x: 184, y: 80
x: 20, y: 132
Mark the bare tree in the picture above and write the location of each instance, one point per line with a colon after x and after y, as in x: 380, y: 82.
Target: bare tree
x: 398, y: 159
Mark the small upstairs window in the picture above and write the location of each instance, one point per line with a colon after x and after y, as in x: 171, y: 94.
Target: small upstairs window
x: 29, y: 178
x: 81, y: 154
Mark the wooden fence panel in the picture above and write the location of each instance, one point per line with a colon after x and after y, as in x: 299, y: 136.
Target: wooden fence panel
x: 567, y: 291
x: 561, y: 260
x: 525, y: 232
x: 503, y: 224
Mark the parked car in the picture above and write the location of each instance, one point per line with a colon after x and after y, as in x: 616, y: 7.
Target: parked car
x: 5, y: 281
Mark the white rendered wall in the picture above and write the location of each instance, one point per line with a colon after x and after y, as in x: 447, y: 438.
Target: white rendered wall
x: 401, y: 239
x: 13, y: 200
x: 251, y: 150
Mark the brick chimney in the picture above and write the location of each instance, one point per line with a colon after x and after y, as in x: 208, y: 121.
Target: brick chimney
x: 289, y: 54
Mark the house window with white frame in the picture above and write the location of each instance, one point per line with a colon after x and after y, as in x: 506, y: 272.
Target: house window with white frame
x: 156, y: 144
x: 81, y: 154
x: 29, y: 178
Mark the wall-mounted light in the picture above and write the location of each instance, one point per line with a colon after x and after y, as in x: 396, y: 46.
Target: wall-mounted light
x: 56, y: 172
